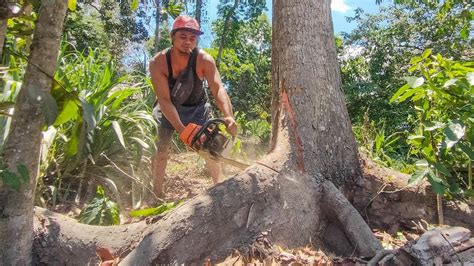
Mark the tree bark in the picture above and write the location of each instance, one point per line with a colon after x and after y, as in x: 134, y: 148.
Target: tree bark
x: 198, y: 11
x: 60, y: 240
x: 307, y: 91
x: 23, y: 144
x: 3, y: 34
x: 225, y: 30
x: 157, y: 25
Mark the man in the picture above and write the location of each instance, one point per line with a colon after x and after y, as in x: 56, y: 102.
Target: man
x: 177, y: 75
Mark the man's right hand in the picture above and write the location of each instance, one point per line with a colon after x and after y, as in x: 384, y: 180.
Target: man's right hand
x: 187, y: 135
x: 231, y: 125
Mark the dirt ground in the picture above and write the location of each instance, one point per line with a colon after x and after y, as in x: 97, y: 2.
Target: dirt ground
x: 186, y: 176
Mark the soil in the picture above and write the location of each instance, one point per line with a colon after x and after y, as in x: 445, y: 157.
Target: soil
x: 186, y: 176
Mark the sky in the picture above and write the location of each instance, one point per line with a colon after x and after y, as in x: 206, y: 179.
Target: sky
x: 340, y: 10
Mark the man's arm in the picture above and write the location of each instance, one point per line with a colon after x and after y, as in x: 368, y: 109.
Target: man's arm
x: 160, y: 84
x: 217, y: 89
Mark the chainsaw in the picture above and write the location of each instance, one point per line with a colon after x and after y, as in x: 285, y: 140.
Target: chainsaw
x: 211, y: 143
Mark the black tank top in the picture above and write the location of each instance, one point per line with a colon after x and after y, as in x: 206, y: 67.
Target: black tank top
x: 198, y: 95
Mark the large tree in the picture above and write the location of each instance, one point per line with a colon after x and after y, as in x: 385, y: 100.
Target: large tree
x: 22, y: 148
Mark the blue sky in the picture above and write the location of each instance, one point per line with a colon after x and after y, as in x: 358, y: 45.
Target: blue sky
x: 340, y: 10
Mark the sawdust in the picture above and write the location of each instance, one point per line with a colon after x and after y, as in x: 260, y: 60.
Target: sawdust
x: 186, y: 176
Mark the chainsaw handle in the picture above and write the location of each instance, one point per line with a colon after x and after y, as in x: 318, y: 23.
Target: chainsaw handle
x: 205, y: 126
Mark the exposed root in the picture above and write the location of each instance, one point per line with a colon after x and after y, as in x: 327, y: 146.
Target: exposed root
x: 380, y: 255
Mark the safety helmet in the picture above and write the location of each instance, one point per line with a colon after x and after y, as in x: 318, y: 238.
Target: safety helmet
x: 188, y: 23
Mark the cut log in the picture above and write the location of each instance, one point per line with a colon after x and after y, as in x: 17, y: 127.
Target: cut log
x: 439, y: 246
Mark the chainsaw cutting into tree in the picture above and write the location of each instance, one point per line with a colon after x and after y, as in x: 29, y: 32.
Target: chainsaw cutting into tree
x: 209, y: 141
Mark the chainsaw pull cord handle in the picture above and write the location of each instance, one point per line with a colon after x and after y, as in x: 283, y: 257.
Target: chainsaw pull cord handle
x: 204, y: 130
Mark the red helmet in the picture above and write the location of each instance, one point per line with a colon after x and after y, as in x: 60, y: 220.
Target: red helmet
x: 186, y: 23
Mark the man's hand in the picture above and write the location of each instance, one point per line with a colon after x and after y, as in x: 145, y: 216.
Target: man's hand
x: 187, y: 135
x: 231, y: 125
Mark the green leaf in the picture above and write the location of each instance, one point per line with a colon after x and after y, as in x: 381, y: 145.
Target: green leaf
x: 134, y: 5
x: 118, y: 96
x: 422, y: 163
x: 73, y: 143
x: 11, y: 180
x: 426, y: 53
x: 436, y: 183
x: 415, y: 60
x: 469, y: 193
x: 91, y: 214
x: 428, y: 153
x: 442, y: 169
x: 100, y: 211
x: 453, y: 133
x: 408, y: 94
x: 465, y: 33
x: 141, y: 142
x: 72, y: 4
x: 454, y: 187
x: 450, y: 82
x: 88, y: 115
x: 113, y: 213
x: 411, y: 137
x: 69, y: 112
x: 399, y: 92
x: 118, y: 132
x: 23, y: 171
x: 153, y: 211
x: 100, y: 193
x: 430, y: 126
x: 467, y: 150
x: 416, y: 140
x: 470, y: 78
x: 418, y: 176
x: 415, y: 82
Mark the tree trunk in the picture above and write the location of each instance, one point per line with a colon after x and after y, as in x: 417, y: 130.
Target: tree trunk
x: 23, y: 144
x: 307, y: 84
x: 157, y: 25
x: 225, y: 30
x: 3, y: 34
x: 198, y: 11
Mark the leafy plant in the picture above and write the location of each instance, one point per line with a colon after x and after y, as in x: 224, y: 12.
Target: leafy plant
x: 258, y: 128
x: 100, y: 211
x: 443, y: 96
x: 387, y: 150
x: 376, y: 54
x: 15, y: 180
x: 104, y: 124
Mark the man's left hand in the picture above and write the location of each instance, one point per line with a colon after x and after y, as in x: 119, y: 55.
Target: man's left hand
x: 231, y: 125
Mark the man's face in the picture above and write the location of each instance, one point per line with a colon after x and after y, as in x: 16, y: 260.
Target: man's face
x: 184, y: 41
